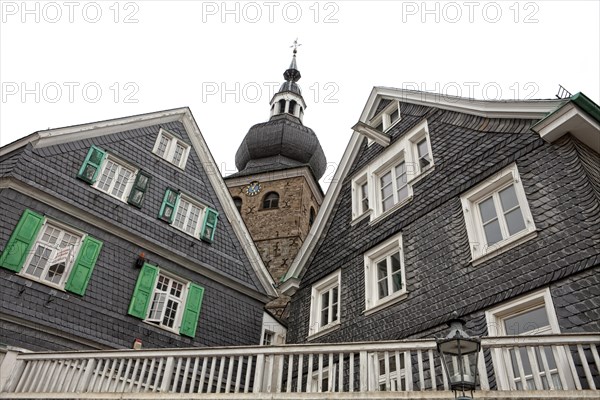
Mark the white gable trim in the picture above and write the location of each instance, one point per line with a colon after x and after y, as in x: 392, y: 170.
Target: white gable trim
x: 184, y: 115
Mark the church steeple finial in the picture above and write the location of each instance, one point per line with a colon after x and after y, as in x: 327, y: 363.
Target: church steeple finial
x: 292, y: 74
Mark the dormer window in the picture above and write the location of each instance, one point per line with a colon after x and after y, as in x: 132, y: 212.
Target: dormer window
x: 171, y: 148
x: 387, y: 118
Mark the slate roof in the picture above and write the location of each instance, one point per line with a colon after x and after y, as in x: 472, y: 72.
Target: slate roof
x: 280, y: 143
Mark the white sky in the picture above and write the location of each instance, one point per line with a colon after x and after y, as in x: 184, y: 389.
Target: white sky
x: 188, y: 53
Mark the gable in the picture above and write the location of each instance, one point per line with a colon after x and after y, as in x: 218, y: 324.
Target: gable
x: 54, y: 158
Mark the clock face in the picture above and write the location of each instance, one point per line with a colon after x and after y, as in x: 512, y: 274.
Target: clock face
x: 253, y: 189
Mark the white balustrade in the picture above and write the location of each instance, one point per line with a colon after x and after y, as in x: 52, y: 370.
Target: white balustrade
x: 552, y: 362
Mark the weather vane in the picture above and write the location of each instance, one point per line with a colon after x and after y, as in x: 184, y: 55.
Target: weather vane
x: 296, y: 45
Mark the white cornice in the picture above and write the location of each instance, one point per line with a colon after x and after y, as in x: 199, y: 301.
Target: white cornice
x: 278, y: 175
x: 94, y: 129
x: 525, y: 109
x: 570, y: 119
x: 184, y: 115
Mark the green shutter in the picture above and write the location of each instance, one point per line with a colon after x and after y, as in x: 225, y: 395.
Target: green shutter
x: 91, y: 166
x: 138, y: 191
x: 84, y: 265
x: 192, y: 310
x: 143, y: 291
x: 210, y: 225
x: 20, y: 242
x: 169, y: 205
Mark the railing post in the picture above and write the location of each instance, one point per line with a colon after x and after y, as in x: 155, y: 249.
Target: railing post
x: 364, y: 372
x: 168, y: 375
x: 259, y: 374
x: 11, y: 370
x: 82, y: 386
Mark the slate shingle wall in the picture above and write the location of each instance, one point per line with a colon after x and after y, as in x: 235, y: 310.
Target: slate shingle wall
x: 440, y: 278
x: 54, y: 170
x: 227, y: 317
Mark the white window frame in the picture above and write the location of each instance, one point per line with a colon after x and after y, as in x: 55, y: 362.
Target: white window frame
x: 198, y: 228
x: 70, y: 257
x: 180, y: 310
x: 495, y: 318
x: 405, y: 148
x: 327, y: 284
x: 384, y: 116
x: 371, y: 258
x: 470, y: 200
x: 173, y: 141
x: 120, y: 164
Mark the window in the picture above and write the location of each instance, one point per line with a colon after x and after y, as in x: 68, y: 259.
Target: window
x: 384, y: 274
x: 271, y: 200
x: 292, y: 107
x: 386, y: 183
x: 188, y: 215
x: 393, y: 186
x: 497, y: 214
x: 268, y: 338
x: 325, y: 304
x: 51, y: 253
x: 387, y: 118
x: 172, y: 149
x: 238, y: 203
x: 115, y: 177
x: 532, y: 314
x: 391, y: 378
x: 166, y: 301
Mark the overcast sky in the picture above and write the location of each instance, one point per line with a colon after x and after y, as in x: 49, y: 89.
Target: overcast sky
x: 71, y: 62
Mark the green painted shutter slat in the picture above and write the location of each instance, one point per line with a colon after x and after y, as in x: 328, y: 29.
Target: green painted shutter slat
x: 210, y: 225
x: 191, y: 314
x: 91, y: 165
x: 169, y: 205
x: 143, y: 291
x: 20, y: 242
x: 138, y: 191
x: 84, y: 265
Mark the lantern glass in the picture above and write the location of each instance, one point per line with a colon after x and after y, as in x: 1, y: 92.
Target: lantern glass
x: 460, y: 358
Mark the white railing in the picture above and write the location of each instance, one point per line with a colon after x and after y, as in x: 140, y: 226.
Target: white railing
x: 552, y: 362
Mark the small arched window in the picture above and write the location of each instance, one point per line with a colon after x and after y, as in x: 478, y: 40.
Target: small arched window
x: 238, y: 203
x: 281, y: 106
x: 271, y: 200
x: 292, y: 107
x: 311, y: 217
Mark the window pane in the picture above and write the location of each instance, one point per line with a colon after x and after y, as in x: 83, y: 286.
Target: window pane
x: 396, y: 282
x: 162, y: 146
x: 508, y: 198
x: 386, y: 179
x: 527, y: 322
x: 395, y: 262
x: 422, y: 149
x: 122, y: 181
x: 514, y: 220
x: 403, y: 193
x: 394, y: 116
x: 487, y: 209
x: 382, y: 278
x: 108, y: 175
x: 492, y: 232
x: 178, y: 153
x: 181, y: 214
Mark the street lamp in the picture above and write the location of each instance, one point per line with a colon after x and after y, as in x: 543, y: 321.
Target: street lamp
x: 460, y: 354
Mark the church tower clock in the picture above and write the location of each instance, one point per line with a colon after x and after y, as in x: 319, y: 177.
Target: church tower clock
x: 276, y: 188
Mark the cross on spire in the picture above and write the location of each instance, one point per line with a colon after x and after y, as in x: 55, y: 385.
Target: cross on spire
x: 295, y: 45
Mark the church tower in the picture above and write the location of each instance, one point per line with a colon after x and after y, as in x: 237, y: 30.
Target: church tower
x: 276, y: 188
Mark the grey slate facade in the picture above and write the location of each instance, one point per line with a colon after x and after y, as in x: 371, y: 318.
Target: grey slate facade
x: 35, y: 316
x: 561, y: 184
